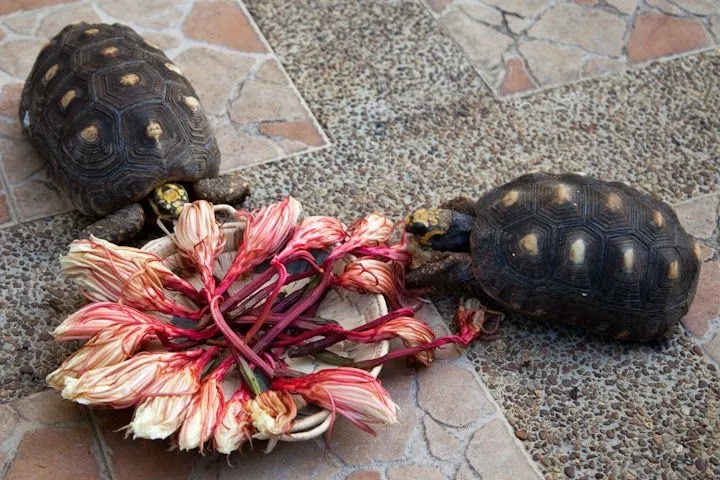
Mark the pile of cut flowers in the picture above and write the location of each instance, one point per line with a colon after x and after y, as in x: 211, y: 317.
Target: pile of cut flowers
x: 206, y: 362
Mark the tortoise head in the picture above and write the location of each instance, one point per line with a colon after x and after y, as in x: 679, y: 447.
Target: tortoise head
x: 440, y: 228
x: 168, y: 200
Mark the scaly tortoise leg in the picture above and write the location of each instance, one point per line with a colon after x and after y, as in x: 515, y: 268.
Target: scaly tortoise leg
x: 443, y: 270
x: 120, y: 226
x: 462, y: 205
x: 227, y: 189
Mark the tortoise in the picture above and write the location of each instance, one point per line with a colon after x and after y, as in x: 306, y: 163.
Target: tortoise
x: 565, y: 248
x: 118, y: 123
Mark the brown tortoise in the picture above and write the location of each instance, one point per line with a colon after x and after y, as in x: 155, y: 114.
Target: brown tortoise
x: 118, y: 122
x: 568, y: 248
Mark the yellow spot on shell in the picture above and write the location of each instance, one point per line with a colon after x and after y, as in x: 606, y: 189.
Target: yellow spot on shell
x: 90, y: 133
x: 50, y: 73
x: 622, y: 335
x: 673, y: 270
x: 129, y: 79
x: 110, y: 51
x: 67, y: 98
x: 629, y: 259
x: 697, y: 251
x: 563, y: 194
x: 510, y: 198
x: 153, y: 130
x: 529, y: 243
x: 173, y: 68
x: 192, y: 103
x: 658, y: 219
x: 577, y: 252
x: 91, y: 31
x: 614, y: 202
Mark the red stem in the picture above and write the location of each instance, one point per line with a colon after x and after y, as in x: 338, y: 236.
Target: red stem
x: 404, y: 352
x: 236, y: 341
x: 332, y: 339
x: 282, y: 278
x: 296, y: 310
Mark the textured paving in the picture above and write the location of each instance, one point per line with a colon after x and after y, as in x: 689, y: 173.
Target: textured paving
x: 522, y: 46
x: 257, y: 113
x: 411, y: 123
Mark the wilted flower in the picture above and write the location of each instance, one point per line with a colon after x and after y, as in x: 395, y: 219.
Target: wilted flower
x: 351, y: 392
x: 315, y: 233
x: 370, y: 231
x: 96, y: 317
x: 265, y: 233
x: 204, y: 411
x: 410, y: 331
x: 108, y: 347
x: 272, y: 412
x: 108, y: 272
x: 131, y: 381
x: 471, y: 318
x: 199, y: 238
x: 368, y: 275
x: 235, y: 425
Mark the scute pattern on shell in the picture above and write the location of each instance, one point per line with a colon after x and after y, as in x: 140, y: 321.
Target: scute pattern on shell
x: 108, y: 77
x: 596, y: 254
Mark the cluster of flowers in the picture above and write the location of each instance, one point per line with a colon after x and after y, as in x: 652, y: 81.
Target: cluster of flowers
x: 137, y: 354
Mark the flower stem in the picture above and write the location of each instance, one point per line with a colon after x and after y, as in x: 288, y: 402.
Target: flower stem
x: 404, y: 352
x: 236, y: 341
x: 282, y: 278
x: 294, y: 312
x: 322, y: 344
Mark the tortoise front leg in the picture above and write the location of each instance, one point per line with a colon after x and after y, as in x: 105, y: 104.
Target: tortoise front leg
x: 120, y: 226
x: 228, y: 189
x: 446, y: 270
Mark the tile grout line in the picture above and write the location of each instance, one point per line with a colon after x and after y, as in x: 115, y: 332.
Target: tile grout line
x: 104, y: 463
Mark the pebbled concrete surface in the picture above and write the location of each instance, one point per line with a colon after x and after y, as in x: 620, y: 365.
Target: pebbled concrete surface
x: 411, y: 124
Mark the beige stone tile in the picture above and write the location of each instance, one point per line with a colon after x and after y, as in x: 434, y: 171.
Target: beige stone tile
x: 442, y: 445
x: 224, y: 23
x: 55, y: 454
x: 414, y: 472
x: 699, y: 216
x: 10, y: 99
x: 706, y: 305
x: 53, y: 23
x: 482, y: 44
x: 260, y: 101
x: 19, y: 55
x: 364, y: 475
x: 6, y: 214
x: 303, y: 131
x: 552, y: 64
x: 493, y: 453
x: 657, y: 35
x: 153, y: 14
x: 10, y: 6
x: 20, y: 159
x: 214, y: 75
x: 445, y: 380
x: 24, y: 23
x: 49, y: 408
x: 306, y: 460
x: 240, y: 149
x: 39, y: 197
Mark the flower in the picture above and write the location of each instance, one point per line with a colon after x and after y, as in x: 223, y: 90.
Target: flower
x: 129, y: 382
x: 265, y: 233
x: 158, y: 417
x: 111, y: 273
x: 199, y: 238
x: 471, y: 317
x: 235, y: 425
x: 96, y: 317
x: 205, y: 410
x: 371, y: 231
x: 411, y: 332
x: 368, y: 275
x: 351, y: 392
x: 272, y: 412
x: 315, y: 233
x: 108, y: 347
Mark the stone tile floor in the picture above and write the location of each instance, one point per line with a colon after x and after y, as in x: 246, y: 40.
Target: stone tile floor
x: 522, y: 46
x: 257, y: 113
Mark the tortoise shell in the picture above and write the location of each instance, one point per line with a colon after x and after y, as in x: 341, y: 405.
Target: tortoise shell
x: 114, y: 117
x: 599, y: 255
